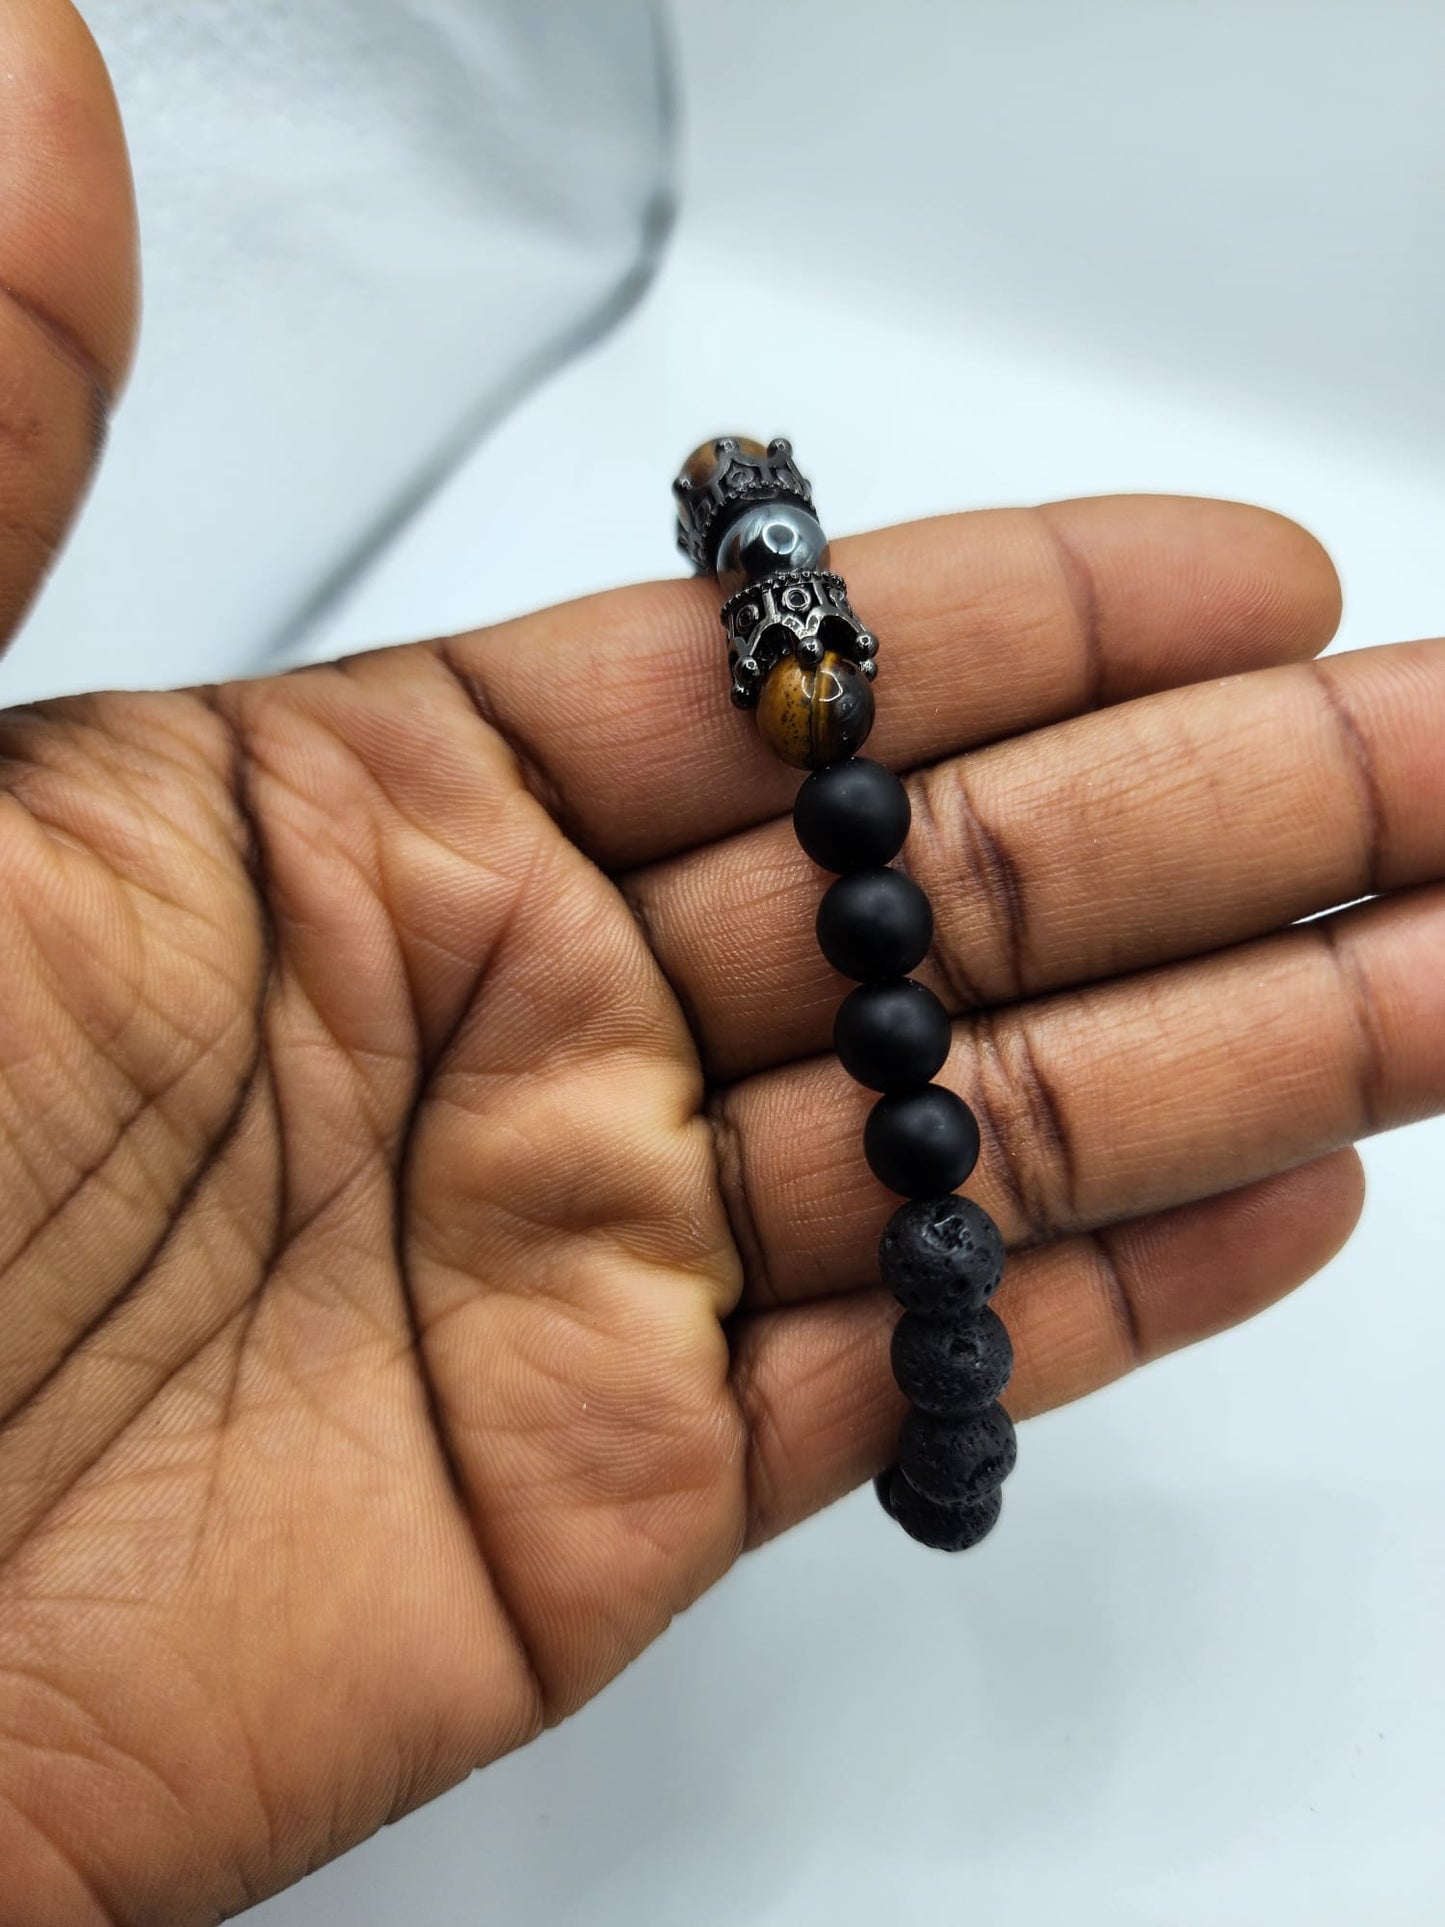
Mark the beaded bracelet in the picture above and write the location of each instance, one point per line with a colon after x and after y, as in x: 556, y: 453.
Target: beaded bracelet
x: 804, y: 662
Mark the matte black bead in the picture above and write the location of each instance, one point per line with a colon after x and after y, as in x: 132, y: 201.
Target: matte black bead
x: 951, y: 1366
x: 882, y: 1486
x: 941, y: 1256
x: 892, y: 1037
x: 874, y: 924
x: 947, y: 1528
x: 957, y: 1461
x: 921, y: 1142
x: 852, y: 816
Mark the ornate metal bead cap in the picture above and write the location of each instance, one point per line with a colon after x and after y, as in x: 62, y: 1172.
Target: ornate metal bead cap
x: 725, y: 475
x: 801, y: 612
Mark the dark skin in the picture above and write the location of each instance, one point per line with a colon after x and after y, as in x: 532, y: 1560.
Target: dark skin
x: 435, y: 1242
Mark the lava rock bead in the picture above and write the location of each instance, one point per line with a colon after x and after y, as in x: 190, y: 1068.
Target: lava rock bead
x: 874, y: 924
x: 921, y: 1142
x: 957, y: 1461
x: 892, y: 1037
x: 951, y: 1367
x: 810, y: 714
x: 947, y: 1528
x: 853, y: 815
x: 941, y: 1256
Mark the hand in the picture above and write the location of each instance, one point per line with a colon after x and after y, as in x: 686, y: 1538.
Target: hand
x: 435, y: 1241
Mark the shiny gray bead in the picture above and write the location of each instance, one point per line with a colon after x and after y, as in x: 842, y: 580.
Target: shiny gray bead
x: 767, y: 537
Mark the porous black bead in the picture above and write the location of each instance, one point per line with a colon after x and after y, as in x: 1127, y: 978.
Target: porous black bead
x: 941, y: 1256
x: 947, y: 1528
x: 882, y: 1485
x: 852, y: 815
x: 891, y: 1037
x: 921, y: 1142
x: 956, y: 1461
x: 874, y: 924
x: 951, y: 1366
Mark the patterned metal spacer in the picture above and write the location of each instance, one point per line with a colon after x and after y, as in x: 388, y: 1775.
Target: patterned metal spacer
x: 726, y: 475
x: 798, y: 612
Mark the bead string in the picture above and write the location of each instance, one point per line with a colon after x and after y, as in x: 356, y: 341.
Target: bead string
x: 800, y: 657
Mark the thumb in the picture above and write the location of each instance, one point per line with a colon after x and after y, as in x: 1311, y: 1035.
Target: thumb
x: 69, y: 284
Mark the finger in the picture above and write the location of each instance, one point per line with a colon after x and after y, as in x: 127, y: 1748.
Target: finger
x: 1183, y: 822
x: 991, y: 623
x: 823, y: 1412
x: 1098, y: 1105
x: 68, y: 282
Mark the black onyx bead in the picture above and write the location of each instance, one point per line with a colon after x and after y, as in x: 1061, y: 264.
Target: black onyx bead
x: 921, y: 1142
x: 941, y: 1256
x: 891, y: 1037
x: 852, y: 816
x: 947, y: 1528
x: 957, y: 1461
x: 874, y: 924
x: 951, y: 1366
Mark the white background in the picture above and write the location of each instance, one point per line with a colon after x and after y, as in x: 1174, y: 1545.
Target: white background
x: 964, y: 255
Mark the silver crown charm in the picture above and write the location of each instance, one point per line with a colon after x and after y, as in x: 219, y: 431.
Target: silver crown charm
x: 803, y: 613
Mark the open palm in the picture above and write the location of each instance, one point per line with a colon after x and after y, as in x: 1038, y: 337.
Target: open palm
x: 435, y: 1241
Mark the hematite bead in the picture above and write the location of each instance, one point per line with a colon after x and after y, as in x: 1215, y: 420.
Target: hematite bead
x: 941, y: 1256
x: 724, y: 477
x: 766, y: 538
x: 921, y: 1142
x: 812, y: 714
x: 892, y: 1037
x: 957, y: 1461
x: 947, y: 1528
x: 951, y: 1366
x: 874, y: 924
x: 852, y: 816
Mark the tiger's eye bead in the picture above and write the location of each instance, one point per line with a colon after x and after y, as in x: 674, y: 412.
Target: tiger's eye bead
x: 947, y: 1528
x: 957, y: 1461
x: 951, y: 1367
x: 941, y: 1256
x: 921, y: 1142
x: 704, y: 462
x: 811, y: 714
x: 852, y: 815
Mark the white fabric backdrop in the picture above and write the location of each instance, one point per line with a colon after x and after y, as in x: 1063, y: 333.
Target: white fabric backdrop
x: 365, y: 229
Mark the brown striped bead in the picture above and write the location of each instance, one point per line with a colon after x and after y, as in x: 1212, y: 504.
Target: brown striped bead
x: 703, y: 463
x: 811, y: 715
